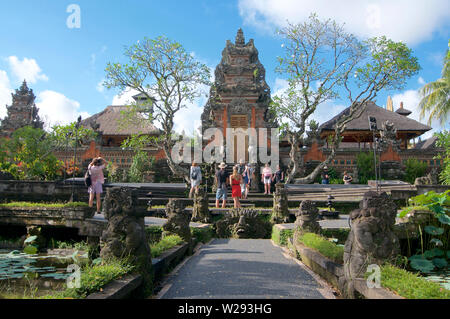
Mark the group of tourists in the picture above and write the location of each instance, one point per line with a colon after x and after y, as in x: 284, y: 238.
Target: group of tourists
x: 326, y: 177
x: 240, y: 181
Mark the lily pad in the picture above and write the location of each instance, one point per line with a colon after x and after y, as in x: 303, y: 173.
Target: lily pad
x: 440, y: 262
x: 435, y: 231
x: 435, y: 252
x: 30, y: 249
x: 30, y: 239
x: 444, y: 219
x: 422, y: 265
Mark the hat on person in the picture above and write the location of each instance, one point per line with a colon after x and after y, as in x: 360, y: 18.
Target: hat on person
x: 222, y: 165
x: 325, y: 167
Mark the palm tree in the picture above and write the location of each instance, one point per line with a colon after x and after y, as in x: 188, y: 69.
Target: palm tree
x: 436, y: 95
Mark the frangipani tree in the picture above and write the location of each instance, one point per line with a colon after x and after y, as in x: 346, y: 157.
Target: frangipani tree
x: 169, y: 77
x: 322, y: 63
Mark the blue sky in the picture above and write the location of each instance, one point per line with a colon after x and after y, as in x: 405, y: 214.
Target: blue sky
x: 64, y: 66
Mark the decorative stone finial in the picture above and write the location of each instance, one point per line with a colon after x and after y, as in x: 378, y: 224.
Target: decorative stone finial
x: 240, y: 40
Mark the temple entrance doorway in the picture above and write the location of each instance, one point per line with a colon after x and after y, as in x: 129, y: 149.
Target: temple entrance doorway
x: 240, y: 122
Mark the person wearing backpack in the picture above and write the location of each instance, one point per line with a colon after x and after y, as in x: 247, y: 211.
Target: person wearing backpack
x: 196, y: 178
x: 95, y: 170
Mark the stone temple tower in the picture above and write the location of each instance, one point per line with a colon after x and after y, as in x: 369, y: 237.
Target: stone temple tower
x: 240, y: 96
x: 23, y: 112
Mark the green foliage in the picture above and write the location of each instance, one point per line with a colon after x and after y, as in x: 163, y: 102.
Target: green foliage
x: 411, y: 286
x: 366, y: 167
x: 414, y: 169
x: 444, y: 142
x: 153, y: 233
x: 94, y: 278
x: 341, y: 234
x: 435, y: 238
x: 324, y: 246
x: 164, y: 244
x: 44, y: 205
x: 69, y: 135
x: 141, y: 164
x: 281, y: 236
x: 203, y: 234
x: 29, y: 155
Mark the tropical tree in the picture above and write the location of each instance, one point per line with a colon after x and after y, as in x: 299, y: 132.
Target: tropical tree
x: 321, y: 60
x: 28, y: 154
x: 71, y: 134
x: 436, y: 95
x: 169, y: 77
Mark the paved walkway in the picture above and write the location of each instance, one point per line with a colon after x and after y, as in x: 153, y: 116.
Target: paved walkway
x: 242, y: 269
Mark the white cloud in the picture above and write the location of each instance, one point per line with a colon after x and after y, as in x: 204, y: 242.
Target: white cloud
x: 27, y: 69
x: 5, y: 93
x: 125, y: 97
x: 100, y: 88
x: 411, y: 100
x: 56, y: 108
x: 421, y: 81
x: 399, y: 20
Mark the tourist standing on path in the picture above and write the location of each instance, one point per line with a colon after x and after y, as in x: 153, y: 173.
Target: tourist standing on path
x: 347, y: 178
x: 325, y: 176
x: 246, y: 176
x: 266, y: 178
x: 235, y: 182
x: 241, y: 170
x: 95, y: 169
x: 221, y: 182
x: 278, y: 177
x: 196, y: 178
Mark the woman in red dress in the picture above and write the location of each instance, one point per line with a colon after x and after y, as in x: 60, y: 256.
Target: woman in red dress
x: 235, y: 181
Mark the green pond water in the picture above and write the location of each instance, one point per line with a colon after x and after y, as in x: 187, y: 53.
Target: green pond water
x: 38, y: 274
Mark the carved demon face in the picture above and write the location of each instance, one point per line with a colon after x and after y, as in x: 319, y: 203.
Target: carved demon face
x: 243, y: 223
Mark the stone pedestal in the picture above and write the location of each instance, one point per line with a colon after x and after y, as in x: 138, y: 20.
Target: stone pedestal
x: 306, y: 219
x: 177, y: 220
x: 371, y: 239
x: 280, y: 211
x: 200, y: 212
x: 125, y: 235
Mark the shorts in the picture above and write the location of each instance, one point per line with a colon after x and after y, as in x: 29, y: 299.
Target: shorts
x: 96, y: 188
x: 267, y: 180
x: 195, y: 182
x: 221, y: 194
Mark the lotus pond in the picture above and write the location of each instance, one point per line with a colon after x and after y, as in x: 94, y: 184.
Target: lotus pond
x: 35, y: 275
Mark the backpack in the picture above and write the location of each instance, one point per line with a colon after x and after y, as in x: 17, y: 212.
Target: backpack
x: 87, y: 179
x: 194, y: 174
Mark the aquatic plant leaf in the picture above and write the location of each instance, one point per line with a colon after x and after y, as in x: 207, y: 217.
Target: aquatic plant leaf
x: 444, y: 219
x: 435, y: 252
x: 437, y: 242
x: 30, y: 239
x: 30, y: 249
x: 434, y: 230
x: 422, y: 265
x: 440, y: 262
